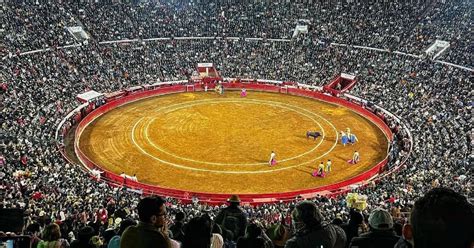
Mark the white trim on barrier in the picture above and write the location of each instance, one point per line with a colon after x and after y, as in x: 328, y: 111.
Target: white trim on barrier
x: 372, y: 48
x: 407, y: 54
x: 269, y: 81
x: 355, y: 98
x: 454, y: 65
x: 135, y: 88
x: 35, y: 51
x: 253, y: 39
x: 229, y: 79
x: 69, y: 46
x: 119, y: 41
x: 375, y: 49
x: 280, y: 40
x: 196, y: 38
x: 155, y: 39
x: 308, y: 86
x: 245, y: 80
x: 45, y: 50
x: 169, y: 82
x: 337, y: 44
x: 248, y: 79
x: 251, y: 80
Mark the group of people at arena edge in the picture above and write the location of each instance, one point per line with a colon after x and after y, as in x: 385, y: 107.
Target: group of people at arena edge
x: 321, y: 170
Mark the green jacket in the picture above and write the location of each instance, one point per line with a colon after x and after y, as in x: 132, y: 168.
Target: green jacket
x: 144, y: 235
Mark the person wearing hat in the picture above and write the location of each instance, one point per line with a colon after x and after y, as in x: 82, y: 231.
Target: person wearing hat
x: 381, y: 232
x: 272, y: 160
x: 279, y: 233
x: 232, y: 219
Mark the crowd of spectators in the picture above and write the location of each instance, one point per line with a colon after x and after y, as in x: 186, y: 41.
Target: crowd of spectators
x: 393, y: 25
x: 450, y: 22
x: 39, y: 89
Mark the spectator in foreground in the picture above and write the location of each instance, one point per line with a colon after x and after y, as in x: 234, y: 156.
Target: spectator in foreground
x: 33, y: 230
x: 406, y: 240
x: 177, y: 229
x: 232, y: 219
x: 254, y: 238
x: 311, y: 232
x: 84, y: 238
x: 151, y: 230
x: 381, y: 232
x: 115, y: 240
x: 217, y: 241
x: 198, y: 233
x: 352, y: 227
x: 52, y: 238
x: 107, y: 235
x: 442, y: 218
x: 279, y: 233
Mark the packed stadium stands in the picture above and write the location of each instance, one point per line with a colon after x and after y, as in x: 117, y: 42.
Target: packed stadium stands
x: 43, y: 67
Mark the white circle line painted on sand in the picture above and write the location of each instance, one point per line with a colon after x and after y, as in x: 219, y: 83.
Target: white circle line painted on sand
x: 219, y: 171
x: 271, y: 103
x: 229, y: 172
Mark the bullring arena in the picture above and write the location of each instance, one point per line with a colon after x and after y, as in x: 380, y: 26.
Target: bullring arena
x: 199, y: 143
x: 233, y: 124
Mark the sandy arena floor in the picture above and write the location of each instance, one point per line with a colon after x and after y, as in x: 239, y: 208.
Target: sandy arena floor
x: 203, y: 142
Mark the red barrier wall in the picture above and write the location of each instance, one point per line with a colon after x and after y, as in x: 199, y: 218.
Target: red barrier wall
x: 219, y: 198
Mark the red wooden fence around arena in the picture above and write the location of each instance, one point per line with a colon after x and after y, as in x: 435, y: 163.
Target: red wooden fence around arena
x: 336, y: 188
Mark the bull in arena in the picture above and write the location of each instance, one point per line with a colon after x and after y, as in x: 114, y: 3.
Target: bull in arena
x: 313, y: 134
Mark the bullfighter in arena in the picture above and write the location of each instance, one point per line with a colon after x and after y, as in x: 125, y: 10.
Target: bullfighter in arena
x: 344, y: 138
x: 243, y: 92
x: 221, y: 89
x: 272, y: 160
x: 355, y: 158
x: 320, y: 171
x: 353, y: 139
x: 328, y: 166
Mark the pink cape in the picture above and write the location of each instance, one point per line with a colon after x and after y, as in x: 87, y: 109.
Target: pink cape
x: 315, y: 174
x: 351, y: 161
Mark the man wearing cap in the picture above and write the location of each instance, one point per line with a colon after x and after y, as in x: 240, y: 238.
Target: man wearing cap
x: 381, y: 232
x: 232, y: 219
